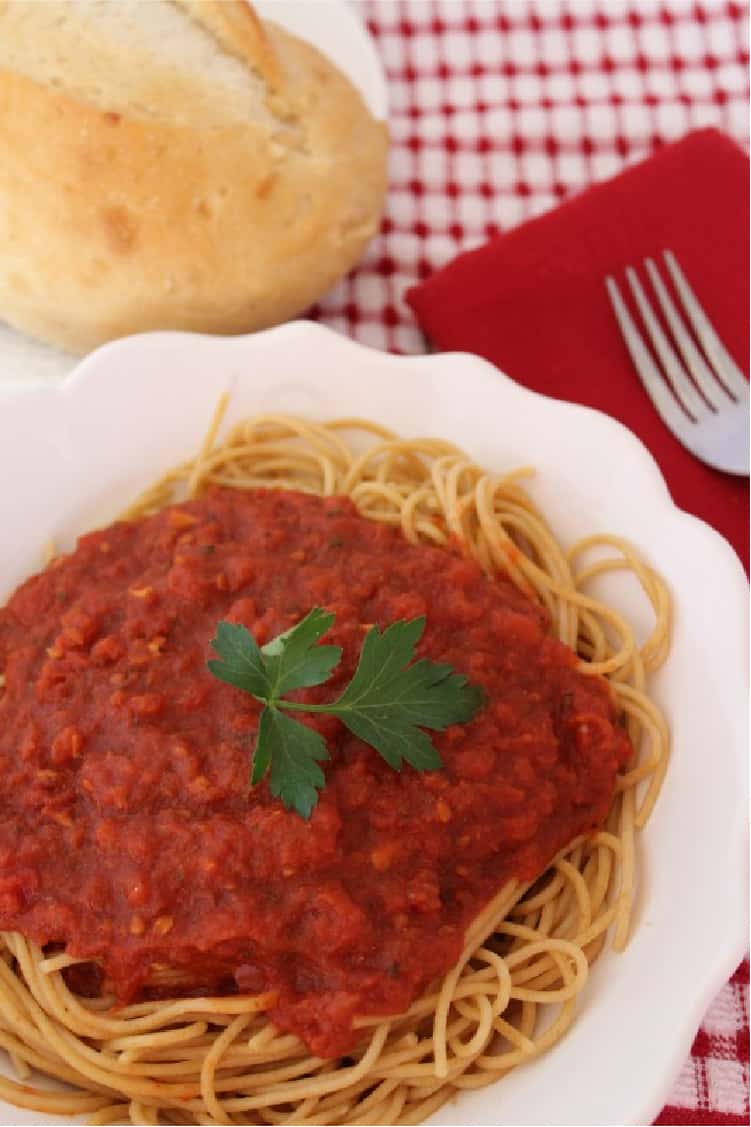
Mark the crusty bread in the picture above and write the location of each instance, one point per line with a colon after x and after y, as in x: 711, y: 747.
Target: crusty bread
x: 173, y: 164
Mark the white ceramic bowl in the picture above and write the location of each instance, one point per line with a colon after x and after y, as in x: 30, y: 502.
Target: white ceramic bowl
x: 71, y: 457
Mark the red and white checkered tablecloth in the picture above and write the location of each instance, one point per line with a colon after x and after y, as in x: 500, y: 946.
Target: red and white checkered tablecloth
x: 498, y: 110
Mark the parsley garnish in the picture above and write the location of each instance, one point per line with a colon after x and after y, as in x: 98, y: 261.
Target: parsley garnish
x: 387, y: 703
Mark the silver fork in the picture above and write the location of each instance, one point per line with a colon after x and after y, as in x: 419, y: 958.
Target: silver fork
x: 709, y: 414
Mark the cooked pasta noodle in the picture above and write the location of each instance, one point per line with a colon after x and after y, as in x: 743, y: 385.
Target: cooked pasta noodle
x: 513, y: 992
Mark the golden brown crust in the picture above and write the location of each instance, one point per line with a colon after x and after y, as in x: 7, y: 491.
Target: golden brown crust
x: 236, y: 27
x: 112, y: 224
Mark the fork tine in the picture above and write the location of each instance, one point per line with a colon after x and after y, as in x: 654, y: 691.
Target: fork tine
x: 701, y: 372
x: 676, y: 375
x: 728, y: 370
x: 654, y: 385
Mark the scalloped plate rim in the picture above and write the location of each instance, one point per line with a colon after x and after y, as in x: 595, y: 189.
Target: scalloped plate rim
x: 99, y: 366
x: 80, y: 373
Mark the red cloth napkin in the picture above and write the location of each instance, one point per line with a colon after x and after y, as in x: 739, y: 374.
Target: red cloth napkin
x: 533, y: 300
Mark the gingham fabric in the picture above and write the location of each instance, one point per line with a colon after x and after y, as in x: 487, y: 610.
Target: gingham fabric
x: 498, y: 110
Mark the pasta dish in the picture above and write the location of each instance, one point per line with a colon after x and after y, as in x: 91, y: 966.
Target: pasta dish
x: 349, y: 937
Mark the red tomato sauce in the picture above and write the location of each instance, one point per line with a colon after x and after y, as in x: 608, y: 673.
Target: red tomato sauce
x: 128, y: 832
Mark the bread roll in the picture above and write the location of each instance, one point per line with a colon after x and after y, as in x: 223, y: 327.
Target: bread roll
x: 175, y: 164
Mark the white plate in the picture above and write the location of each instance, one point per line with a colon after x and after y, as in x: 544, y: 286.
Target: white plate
x: 72, y: 457
x: 335, y: 28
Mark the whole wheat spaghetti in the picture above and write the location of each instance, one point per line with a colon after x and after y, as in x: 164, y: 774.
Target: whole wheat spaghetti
x: 513, y: 992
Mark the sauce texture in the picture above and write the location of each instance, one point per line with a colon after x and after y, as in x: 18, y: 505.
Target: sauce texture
x: 127, y: 830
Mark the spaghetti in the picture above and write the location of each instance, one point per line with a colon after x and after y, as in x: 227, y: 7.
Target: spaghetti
x: 513, y: 992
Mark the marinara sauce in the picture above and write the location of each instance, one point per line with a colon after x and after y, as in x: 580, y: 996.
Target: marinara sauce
x: 129, y: 833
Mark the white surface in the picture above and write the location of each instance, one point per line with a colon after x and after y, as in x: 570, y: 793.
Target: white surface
x: 335, y: 28
x: 71, y: 457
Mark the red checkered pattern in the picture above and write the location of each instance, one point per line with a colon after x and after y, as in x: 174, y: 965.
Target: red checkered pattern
x: 713, y: 1085
x: 499, y: 109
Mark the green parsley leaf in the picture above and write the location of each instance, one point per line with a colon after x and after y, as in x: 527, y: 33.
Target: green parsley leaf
x: 291, y: 660
x: 387, y: 704
x: 294, y: 750
x: 264, y: 748
x: 242, y: 663
x: 286, y: 662
x: 388, y: 701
